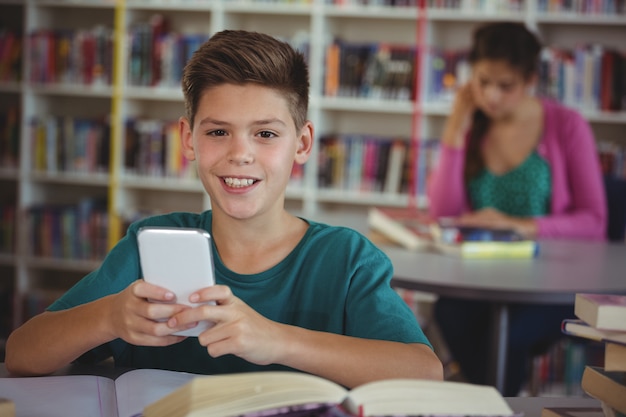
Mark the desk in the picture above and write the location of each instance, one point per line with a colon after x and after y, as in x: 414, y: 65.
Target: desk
x: 562, y: 269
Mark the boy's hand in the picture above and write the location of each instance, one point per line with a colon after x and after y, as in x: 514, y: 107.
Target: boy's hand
x: 239, y: 330
x: 144, y: 323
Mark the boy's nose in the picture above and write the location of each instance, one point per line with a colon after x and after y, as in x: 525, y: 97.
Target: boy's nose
x: 240, y: 151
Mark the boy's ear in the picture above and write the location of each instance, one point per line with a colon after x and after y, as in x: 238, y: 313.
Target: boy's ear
x: 186, y: 139
x: 305, y: 143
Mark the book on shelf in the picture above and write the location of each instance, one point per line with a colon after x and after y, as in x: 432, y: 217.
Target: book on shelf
x: 408, y: 227
x: 299, y: 394
x: 579, y: 328
x: 608, y: 387
x: 603, y: 311
x: 572, y: 412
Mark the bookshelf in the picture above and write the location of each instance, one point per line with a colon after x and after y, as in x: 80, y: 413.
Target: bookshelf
x: 110, y: 191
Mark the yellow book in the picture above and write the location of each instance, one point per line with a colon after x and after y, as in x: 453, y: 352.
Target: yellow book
x: 523, y: 249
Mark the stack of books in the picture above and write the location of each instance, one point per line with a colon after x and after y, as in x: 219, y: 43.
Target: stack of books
x: 414, y: 229
x: 602, y: 318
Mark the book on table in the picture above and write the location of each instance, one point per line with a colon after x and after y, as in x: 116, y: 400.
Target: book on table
x: 414, y: 229
x: 298, y: 394
x: 160, y: 393
x: 603, y: 311
x: 408, y: 227
x: 481, y: 243
x: 608, y: 387
x: 90, y: 395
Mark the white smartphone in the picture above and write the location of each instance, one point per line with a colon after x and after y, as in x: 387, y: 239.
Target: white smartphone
x: 179, y: 259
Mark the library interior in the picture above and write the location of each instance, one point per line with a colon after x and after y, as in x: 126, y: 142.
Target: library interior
x: 90, y: 98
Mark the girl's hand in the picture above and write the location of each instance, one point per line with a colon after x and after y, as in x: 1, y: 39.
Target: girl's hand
x: 495, y: 219
x: 238, y: 330
x: 141, y: 322
x: 460, y: 118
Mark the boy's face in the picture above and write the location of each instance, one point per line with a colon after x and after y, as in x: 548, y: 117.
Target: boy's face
x: 245, y: 143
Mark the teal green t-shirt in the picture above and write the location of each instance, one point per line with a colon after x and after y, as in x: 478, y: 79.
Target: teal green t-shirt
x: 523, y: 191
x: 335, y: 280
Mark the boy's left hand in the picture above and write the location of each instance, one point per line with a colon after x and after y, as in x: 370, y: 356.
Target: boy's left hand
x: 239, y: 330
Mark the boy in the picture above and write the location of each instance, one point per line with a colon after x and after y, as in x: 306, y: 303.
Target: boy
x: 291, y: 293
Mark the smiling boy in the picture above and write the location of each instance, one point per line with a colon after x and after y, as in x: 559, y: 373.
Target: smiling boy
x: 290, y: 293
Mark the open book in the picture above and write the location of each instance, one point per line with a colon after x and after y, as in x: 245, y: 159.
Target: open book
x: 297, y: 394
x: 90, y: 395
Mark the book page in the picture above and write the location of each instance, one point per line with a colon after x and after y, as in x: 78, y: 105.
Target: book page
x: 61, y: 396
x: 140, y: 387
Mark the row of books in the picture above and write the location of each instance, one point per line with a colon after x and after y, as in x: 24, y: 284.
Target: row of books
x: 9, y: 137
x: 83, y: 56
x: 583, y: 6
x: 152, y: 147
x: 10, y: 55
x: 364, y: 163
x: 590, y: 77
x: 7, y: 228
x: 157, y: 54
x: 69, y: 231
x: 372, y: 70
x: 558, y: 371
x: 70, y: 144
x: 477, y: 5
x: 368, y: 163
x: 601, y: 318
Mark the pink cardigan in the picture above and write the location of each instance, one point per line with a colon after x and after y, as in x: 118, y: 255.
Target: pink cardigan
x: 578, y: 205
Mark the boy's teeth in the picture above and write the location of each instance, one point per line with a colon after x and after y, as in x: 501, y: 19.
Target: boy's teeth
x: 238, y: 182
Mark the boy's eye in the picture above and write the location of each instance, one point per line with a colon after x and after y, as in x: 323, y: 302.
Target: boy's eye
x: 266, y: 134
x: 217, y: 132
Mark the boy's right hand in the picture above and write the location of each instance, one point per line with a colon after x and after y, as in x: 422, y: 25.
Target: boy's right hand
x: 141, y: 322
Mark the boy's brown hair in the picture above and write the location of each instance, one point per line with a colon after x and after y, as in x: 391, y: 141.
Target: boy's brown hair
x: 240, y: 57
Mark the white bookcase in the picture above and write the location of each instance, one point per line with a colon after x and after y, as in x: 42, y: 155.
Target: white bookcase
x: 318, y: 22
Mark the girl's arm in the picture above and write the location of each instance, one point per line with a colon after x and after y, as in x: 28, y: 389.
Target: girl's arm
x: 585, y: 214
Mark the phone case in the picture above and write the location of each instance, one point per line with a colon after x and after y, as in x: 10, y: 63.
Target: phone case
x: 179, y: 259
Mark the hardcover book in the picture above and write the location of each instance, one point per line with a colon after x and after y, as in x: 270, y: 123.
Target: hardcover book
x: 606, y: 386
x: 578, y: 328
x: 407, y: 227
x: 604, y: 311
x: 614, y: 356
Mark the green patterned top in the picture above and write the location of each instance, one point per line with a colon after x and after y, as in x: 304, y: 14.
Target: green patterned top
x: 523, y: 191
